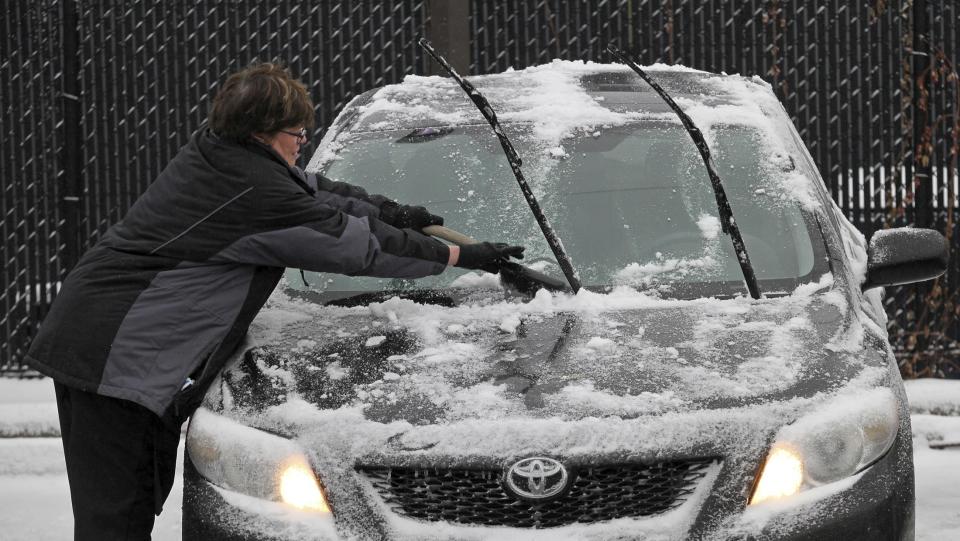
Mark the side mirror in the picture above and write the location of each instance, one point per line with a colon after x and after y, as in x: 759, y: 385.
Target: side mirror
x: 904, y: 255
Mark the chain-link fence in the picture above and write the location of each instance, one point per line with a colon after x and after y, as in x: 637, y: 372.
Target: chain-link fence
x: 30, y: 80
x: 98, y: 96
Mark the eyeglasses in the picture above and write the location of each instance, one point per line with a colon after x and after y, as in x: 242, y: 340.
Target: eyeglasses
x: 301, y: 135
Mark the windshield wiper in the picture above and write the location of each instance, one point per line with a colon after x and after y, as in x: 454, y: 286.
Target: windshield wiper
x: 723, y: 205
x: 481, y: 102
x: 422, y: 135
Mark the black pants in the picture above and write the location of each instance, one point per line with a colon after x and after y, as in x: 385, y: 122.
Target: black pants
x: 121, y: 459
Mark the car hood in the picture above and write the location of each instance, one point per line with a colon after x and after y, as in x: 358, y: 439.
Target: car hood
x: 559, y: 357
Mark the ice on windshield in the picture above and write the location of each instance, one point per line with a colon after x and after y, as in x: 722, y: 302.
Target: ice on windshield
x: 626, y: 191
x: 633, y: 204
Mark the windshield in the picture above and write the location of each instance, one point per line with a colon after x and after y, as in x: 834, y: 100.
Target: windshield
x: 633, y: 204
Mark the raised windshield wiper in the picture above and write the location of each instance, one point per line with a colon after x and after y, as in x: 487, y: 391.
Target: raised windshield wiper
x: 481, y: 102
x: 723, y: 205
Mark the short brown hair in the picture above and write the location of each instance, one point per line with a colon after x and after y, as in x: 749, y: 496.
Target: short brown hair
x: 262, y: 98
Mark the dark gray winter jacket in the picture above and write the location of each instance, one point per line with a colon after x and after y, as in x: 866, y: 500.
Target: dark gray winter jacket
x: 169, y: 291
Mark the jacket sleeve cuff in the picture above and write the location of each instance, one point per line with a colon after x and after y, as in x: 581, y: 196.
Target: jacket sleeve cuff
x: 388, y: 211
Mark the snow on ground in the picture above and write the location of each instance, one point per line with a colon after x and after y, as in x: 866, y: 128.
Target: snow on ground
x: 32, y: 474
x: 938, y: 493
x: 935, y: 396
x: 27, y: 408
x: 35, y: 505
x: 34, y: 493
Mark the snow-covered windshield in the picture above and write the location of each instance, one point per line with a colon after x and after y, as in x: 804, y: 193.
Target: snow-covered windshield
x: 632, y: 204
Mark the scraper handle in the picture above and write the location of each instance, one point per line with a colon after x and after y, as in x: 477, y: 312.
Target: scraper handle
x: 448, y: 234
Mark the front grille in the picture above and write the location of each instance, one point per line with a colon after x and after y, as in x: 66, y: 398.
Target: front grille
x: 597, y: 494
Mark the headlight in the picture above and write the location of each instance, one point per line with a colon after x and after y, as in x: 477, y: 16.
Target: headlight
x: 836, y: 441
x: 253, y: 462
x: 782, y: 475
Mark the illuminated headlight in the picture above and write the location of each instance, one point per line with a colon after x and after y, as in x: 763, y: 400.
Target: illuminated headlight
x: 253, y: 462
x: 836, y: 441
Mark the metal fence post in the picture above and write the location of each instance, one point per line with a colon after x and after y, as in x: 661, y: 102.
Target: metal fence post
x: 70, y: 157
x: 449, y: 31
x: 922, y: 127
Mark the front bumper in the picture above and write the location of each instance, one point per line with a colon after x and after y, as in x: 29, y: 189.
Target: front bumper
x: 877, y: 504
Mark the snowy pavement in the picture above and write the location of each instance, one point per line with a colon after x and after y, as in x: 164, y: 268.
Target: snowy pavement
x: 938, y: 493
x: 35, y: 501
x: 37, y: 506
x: 34, y: 494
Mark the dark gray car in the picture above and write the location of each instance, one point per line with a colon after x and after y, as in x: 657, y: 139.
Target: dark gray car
x: 661, y: 402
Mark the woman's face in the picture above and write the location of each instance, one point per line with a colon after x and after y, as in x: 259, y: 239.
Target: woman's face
x: 287, y: 142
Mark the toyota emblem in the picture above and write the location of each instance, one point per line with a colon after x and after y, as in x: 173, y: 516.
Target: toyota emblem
x: 536, y: 478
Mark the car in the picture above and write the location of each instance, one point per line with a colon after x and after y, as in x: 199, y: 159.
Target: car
x: 660, y: 401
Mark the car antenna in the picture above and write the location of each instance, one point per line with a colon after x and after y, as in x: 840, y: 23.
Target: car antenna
x: 727, y: 221
x: 481, y: 102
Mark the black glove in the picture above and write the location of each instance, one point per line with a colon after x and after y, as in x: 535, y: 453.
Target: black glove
x: 487, y: 256
x: 407, y: 216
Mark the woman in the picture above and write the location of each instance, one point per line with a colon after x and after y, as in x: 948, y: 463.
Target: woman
x: 147, y: 318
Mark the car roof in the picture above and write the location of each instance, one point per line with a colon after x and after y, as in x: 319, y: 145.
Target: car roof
x: 438, y: 101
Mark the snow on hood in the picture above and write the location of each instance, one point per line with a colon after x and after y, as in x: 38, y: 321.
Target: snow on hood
x: 558, y: 357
